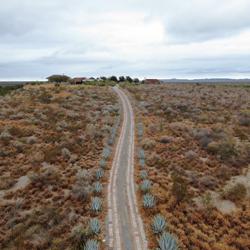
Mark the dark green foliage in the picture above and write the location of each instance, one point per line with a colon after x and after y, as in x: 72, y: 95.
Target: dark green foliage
x: 4, y: 90
x: 58, y: 78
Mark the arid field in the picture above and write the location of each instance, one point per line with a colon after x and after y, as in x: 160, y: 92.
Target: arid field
x: 55, y: 146
x: 193, y: 144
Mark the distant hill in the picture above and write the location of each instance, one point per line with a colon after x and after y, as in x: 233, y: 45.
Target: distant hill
x: 208, y: 81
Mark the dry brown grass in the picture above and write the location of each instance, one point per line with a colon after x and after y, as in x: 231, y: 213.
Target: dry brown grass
x: 200, y: 133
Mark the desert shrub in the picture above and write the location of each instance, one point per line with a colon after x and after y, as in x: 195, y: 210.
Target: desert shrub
x: 235, y: 193
x: 4, y: 90
x: 92, y: 245
x: 207, y: 203
x: 226, y: 148
x: 158, y: 224
x: 45, y: 98
x: 51, y: 154
x: 145, y: 186
x: 82, y: 188
x: 5, y: 136
x: 179, y: 188
x: 83, y: 175
x: 81, y: 192
x: 148, y: 143
x: 148, y: 201
x: 6, y: 182
x: 79, y: 236
x: 96, y: 205
x: 244, y: 118
x: 95, y: 226
x: 167, y: 242
x: 45, y: 176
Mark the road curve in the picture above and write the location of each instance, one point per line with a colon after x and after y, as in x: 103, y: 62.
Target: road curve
x: 125, y: 227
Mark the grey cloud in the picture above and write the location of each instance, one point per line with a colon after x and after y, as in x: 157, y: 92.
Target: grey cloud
x: 69, y: 35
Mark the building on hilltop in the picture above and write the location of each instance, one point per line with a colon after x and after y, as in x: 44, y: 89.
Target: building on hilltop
x: 152, y: 81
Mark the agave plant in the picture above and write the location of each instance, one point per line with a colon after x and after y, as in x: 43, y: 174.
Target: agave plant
x: 142, y: 163
x: 96, y: 205
x: 143, y: 174
x: 148, y: 201
x: 99, y: 173
x: 106, y: 153
x: 167, y: 242
x: 145, y: 186
x: 140, y: 129
x: 94, y: 226
x: 97, y: 187
x: 158, y: 224
x: 92, y: 245
x: 141, y: 154
x: 102, y: 163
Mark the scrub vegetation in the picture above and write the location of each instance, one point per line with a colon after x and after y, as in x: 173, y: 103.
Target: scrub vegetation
x: 193, y: 162
x: 55, y: 151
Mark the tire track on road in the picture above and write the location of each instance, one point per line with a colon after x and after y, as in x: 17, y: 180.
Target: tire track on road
x: 125, y: 227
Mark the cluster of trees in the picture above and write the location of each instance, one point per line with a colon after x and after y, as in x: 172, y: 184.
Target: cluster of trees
x: 58, y: 78
x: 65, y: 78
x: 120, y: 79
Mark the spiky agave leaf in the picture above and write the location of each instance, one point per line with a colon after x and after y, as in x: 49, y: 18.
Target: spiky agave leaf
x: 95, y: 226
x: 145, y: 186
x: 141, y: 154
x: 167, y: 242
x: 92, y: 245
x: 158, y: 224
x: 99, y: 173
x: 96, y: 204
x: 148, y: 201
x: 143, y: 174
x: 97, y: 187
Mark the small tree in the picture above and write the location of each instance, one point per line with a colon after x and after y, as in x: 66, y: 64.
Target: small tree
x: 121, y: 79
x: 104, y: 78
x: 58, y: 78
x: 136, y: 80
x: 129, y: 79
x: 113, y: 78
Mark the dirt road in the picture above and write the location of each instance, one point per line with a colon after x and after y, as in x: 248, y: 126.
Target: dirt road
x: 125, y: 228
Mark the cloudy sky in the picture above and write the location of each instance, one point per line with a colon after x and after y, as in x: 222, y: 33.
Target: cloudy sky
x: 141, y: 38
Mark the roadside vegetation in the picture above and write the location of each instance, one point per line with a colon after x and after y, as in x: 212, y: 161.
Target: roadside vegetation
x: 193, y: 163
x: 55, y: 150
x: 4, y: 90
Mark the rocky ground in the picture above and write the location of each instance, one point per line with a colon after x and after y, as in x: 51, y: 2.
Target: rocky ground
x: 194, y: 149
x: 55, y: 143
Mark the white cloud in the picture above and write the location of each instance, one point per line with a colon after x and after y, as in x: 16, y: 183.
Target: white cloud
x: 167, y: 38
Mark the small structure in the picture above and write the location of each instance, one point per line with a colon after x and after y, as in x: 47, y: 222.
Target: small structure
x: 152, y: 81
x: 79, y: 80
